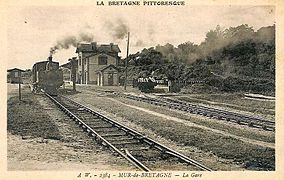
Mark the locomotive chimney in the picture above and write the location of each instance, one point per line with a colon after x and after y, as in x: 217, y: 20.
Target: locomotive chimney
x: 49, y: 63
x: 50, y: 57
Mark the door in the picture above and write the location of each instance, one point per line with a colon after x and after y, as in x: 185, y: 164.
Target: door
x: 110, y: 79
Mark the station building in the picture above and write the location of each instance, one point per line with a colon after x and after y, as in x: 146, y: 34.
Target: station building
x: 97, y: 64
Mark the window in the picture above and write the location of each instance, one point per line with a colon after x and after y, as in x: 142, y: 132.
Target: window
x: 102, y: 60
x: 16, y: 74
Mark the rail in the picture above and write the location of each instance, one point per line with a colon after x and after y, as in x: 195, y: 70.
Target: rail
x: 251, y: 121
x: 127, y: 130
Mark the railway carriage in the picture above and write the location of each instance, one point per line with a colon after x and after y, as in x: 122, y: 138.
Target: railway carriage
x: 147, y: 84
x: 46, y: 76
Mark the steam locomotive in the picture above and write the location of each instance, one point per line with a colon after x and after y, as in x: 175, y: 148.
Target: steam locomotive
x: 47, y: 76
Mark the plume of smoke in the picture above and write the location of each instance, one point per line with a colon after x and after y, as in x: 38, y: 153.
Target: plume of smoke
x: 118, y: 30
x: 86, y: 37
x: 151, y: 32
x: 149, y: 37
x: 71, y: 41
x: 139, y: 43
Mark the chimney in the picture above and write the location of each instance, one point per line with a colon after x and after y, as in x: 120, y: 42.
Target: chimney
x: 94, y: 45
x: 49, y: 58
x: 78, y: 47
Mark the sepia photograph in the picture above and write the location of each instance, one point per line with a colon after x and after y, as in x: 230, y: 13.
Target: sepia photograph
x: 141, y: 89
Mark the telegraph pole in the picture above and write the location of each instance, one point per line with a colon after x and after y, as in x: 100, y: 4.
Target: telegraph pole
x: 126, y: 61
x: 73, y: 72
x: 20, y: 93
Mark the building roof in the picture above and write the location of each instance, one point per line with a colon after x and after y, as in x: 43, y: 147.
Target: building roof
x: 68, y: 64
x: 15, y: 69
x: 94, y: 47
x: 84, y: 48
x: 106, y: 67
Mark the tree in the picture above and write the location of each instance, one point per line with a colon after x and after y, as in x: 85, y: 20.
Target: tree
x: 239, y: 33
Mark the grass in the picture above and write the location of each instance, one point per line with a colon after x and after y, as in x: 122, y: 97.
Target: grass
x: 107, y: 88
x: 235, y: 101
x: 256, y: 135
x: 251, y: 156
x: 27, y: 118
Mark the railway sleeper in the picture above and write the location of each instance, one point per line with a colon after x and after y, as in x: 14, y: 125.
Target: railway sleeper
x: 107, y: 130
x: 258, y: 126
x: 98, y: 125
x: 199, y: 112
x: 271, y: 129
x: 149, y: 155
x: 251, y: 124
x: 119, y: 138
x: 77, y: 121
x: 210, y: 115
x: 143, y: 148
x: 113, y: 135
x: 84, y: 114
x: 80, y: 114
x: 191, y: 111
x: 180, y: 159
x: 91, y: 134
x: 267, y: 127
x: 239, y: 121
x: 141, y: 138
x: 85, y: 118
x: 87, y: 114
x: 124, y: 143
x: 135, y: 147
x: 71, y: 108
x: 96, y: 122
x: 222, y: 118
x: 101, y: 127
x: 174, y: 107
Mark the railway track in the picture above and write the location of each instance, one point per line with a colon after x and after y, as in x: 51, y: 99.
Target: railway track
x: 141, y: 151
x: 238, y: 118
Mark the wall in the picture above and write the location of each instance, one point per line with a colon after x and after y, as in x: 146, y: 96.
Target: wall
x: 93, y: 66
x: 115, y: 76
x: 66, y: 74
x: 13, y: 76
x: 81, y: 67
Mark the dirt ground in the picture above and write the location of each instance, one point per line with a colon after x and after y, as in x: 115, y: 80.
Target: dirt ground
x: 187, y: 123
x: 40, y: 137
x: 59, y: 146
x: 236, y: 147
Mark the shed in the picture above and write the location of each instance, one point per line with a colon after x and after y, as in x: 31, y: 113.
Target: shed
x: 107, y: 76
x: 14, y: 75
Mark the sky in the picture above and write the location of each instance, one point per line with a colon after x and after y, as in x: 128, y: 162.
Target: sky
x: 33, y: 30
